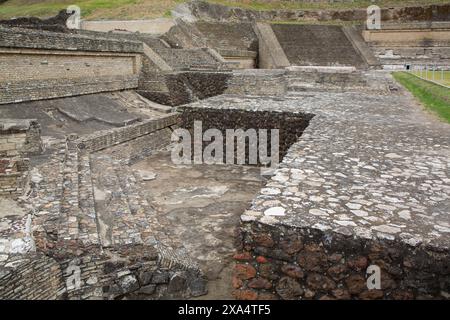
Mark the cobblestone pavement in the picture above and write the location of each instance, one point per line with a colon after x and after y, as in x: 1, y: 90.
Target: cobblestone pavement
x: 369, y: 165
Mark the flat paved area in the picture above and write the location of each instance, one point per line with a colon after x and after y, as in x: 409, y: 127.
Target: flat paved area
x: 372, y: 165
x: 200, y: 206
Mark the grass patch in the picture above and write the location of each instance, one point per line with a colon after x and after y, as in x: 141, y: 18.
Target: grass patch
x: 289, y: 4
x: 146, y: 9
x: 90, y: 9
x: 434, y: 97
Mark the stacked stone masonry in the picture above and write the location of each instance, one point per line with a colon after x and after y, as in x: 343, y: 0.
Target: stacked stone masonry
x: 363, y: 178
x: 40, y: 65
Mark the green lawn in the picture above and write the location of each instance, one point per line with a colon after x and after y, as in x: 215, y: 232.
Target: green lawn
x: 434, y: 97
x: 145, y: 9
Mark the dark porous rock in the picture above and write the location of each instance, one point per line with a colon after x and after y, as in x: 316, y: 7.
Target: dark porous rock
x: 111, y: 266
x: 245, y: 295
x: 292, y: 271
x: 244, y: 271
x: 267, y: 296
x: 264, y: 240
x: 177, y: 283
x: 291, y: 247
x: 341, y: 294
x: 267, y: 271
x: 358, y: 263
x: 128, y: 283
x: 356, y: 284
x: 260, y: 283
x: 197, y: 287
x: 371, y: 294
x: 337, y: 272
x: 149, y: 289
x: 319, y: 282
x: 160, y: 277
x: 278, y: 254
x: 289, y: 289
x: 145, y: 277
x: 312, y: 261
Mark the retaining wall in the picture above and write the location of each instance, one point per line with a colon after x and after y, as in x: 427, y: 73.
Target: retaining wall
x: 38, y: 65
x: 283, y: 262
x: 202, y: 10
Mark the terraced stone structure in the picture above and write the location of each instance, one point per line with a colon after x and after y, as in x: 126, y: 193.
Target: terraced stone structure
x: 93, y: 206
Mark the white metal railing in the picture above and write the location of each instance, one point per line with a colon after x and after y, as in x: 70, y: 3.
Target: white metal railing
x: 437, y: 74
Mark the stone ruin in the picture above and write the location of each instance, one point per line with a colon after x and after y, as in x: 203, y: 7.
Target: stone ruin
x: 92, y: 206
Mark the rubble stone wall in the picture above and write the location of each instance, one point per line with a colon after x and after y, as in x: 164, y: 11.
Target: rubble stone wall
x: 290, y: 125
x: 185, y: 87
x: 105, y: 139
x: 19, y: 137
x: 257, y: 82
x: 282, y: 262
x: 13, y: 177
x: 34, y: 277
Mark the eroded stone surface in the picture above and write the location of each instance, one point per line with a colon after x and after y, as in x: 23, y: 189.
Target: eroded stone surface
x: 199, y: 206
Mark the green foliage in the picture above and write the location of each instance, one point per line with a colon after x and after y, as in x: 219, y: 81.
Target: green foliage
x: 434, y: 97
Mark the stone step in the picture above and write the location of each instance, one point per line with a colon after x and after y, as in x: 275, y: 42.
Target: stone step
x: 88, y: 219
x: 137, y: 222
x: 68, y: 219
x: 300, y: 87
x: 44, y: 197
x: 114, y: 215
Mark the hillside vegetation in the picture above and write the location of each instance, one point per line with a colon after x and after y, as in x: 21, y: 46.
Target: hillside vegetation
x: 146, y: 9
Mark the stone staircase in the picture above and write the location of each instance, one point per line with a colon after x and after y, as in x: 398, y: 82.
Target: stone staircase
x: 124, y: 214
x: 89, y: 203
x: 317, y: 45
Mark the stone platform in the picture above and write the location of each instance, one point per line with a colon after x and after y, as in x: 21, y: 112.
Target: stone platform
x: 368, y: 183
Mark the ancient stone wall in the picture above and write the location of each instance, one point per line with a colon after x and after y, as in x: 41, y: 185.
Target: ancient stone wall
x: 270, y: 53
x: 284, y: 262
x: 185, y: 87
x: 231, y: 36
x: 184, y: 35
x: 203, y: 10
x: 67, y: 260
x: 239, y: 59
x: 33, y: 39
x: 13, y: 176
x: 257, y: 82
x: 313, y: 45
x: 33, y: 277
x: 290, y: 125
x: 188, y: 59
x: 19, y: 137
x: 40, y: 65
x: 415, y: 44
x: 105, y: 139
